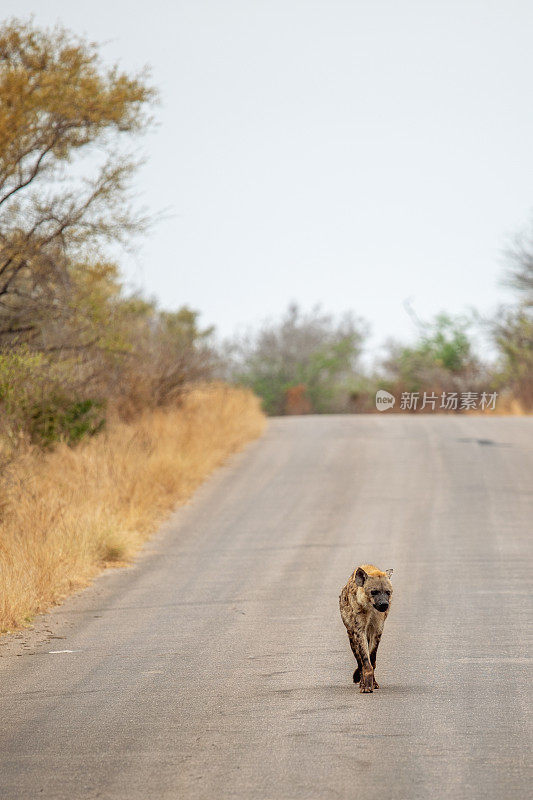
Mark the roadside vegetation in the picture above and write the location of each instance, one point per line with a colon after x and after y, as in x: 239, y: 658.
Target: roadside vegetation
x: 512, y: 328
x: 303, y: 363
x: 71, y: 511
x: 311, y: 363
x: 107, y: 416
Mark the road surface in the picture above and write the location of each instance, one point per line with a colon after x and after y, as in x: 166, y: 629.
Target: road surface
x: 218, y: 666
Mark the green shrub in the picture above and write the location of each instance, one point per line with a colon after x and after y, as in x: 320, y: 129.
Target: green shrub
x: 37, y: 403
x: 313, y: 353
x: 441, y: 360
x: 59, y: 419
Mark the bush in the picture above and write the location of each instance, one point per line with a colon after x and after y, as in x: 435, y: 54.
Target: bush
x: 39, y: 404
x: 61, y: 419
x: 442, y: 360
x: 512, y: 328
x: 303, y: 363
x: 513, y: 334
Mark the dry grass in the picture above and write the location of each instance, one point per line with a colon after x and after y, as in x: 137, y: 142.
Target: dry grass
x: 506, y: 406
x: 510, y: 406
x: 67, y: 514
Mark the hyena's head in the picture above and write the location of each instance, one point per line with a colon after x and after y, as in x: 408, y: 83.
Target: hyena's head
x: 376, y: 585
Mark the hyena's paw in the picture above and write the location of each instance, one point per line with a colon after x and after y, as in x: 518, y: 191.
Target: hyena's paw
x: 376, y: 684
x: 356, y: 676
x: 367, y: 684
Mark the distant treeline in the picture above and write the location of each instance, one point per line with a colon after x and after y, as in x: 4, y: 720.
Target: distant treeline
x: 311, y: 363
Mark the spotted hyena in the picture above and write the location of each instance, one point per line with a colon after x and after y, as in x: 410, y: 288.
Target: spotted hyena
x: 365, y: 603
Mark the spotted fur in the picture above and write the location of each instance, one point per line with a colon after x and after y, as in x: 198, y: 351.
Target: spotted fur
x: 368, y: 590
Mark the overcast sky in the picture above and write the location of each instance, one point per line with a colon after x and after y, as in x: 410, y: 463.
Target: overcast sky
x: 352, y: 153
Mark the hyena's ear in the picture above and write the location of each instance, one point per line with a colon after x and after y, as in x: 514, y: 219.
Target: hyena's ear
x: 360, y: 576
x: 388, y: 572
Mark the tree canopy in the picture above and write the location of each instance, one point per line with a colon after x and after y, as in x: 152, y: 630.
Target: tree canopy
x: 63, y: 168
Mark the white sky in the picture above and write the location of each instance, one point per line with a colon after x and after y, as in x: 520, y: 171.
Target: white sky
x: 350, y: 153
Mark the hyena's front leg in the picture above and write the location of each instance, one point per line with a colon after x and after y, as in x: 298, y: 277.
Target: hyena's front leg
x: 359, y: 646
x: 373, y: 654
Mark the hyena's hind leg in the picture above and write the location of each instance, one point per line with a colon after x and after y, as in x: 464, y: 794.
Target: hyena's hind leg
x: 358, y: 670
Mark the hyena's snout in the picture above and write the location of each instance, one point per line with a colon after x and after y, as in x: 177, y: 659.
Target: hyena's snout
x: 381, y: 601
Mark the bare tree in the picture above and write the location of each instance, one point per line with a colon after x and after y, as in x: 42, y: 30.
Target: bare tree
x: 520, y: 272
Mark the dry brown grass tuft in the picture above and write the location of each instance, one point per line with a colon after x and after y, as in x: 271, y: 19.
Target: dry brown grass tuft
x: 510, y: 406
x: 507, y: 405
x: 67, y: 514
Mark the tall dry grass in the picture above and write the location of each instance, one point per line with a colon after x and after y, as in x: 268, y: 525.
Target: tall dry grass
x: 67, y: 514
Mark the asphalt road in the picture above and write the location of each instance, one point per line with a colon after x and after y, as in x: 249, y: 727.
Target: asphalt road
x: 218, y: 666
